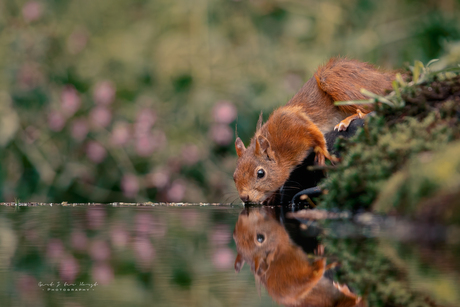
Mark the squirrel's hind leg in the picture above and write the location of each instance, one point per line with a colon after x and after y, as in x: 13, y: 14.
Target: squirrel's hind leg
x: 343, y: 125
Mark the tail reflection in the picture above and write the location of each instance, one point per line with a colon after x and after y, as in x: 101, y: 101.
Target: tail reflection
x: 291, y: 277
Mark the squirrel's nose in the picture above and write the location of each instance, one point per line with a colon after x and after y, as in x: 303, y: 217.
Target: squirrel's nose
x: 244, y: 198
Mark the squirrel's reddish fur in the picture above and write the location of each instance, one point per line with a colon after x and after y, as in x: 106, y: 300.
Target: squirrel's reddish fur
x: 294, y: 130
x: 290, y: 277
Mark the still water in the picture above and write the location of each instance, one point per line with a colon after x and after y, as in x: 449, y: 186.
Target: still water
x: 158, y: 255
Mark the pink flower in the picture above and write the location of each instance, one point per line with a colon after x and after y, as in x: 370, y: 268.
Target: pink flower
x: 120, y: 134
x: 32, y: 11
x: 177, y: 191
x: 221, y: 134
x: 159, y: 179
x: 70, y: 101
x: 29, y: 75
x: 100, y: 116
x: 95, y: 217
x: 220, y: 235
x: 102, y: 273
x: 99, y: 251
x: 158, y: 229
x: 144, y: 251
x: 95, y: 152
x: 224, y: 112
x: 56, y: 121
x: 143, y: 222
x: 119, y: 236
x: 27, y: 284
x: 146, y: 118
x: 104, y: 93
x: 79, y: 129
x: 145, y: 145
x: 130, y: 185
x: 190, y: 154
x: 55, y: 249
x: 77, y: 41
x: 79, y: 240
x: 68, y: 269
x: 223, y: 258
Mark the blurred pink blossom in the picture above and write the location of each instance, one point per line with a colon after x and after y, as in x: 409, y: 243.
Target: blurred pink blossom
x: 158, y: 229
x: 26, y: 284
x: 159, y: 179
x: 102, y: 273
x: 143, y: 222
x: 79, y: 129
x: 223, y: 258
x: 145, y: 145
x: 29, y: 75
x: 79, y: 240
x: 176, y: 192
x: 68, y: 269
x: 70, y: 101
x: 224, y: 112
x: 119, y: 236
x: 56, y: 121
x: 221, y: 134
x: 95, y: 217
x: 95, y: 152
x: 120, y: 134
x: 100, y: 116
x: 32, y: 11
x: 146, y: 118
x: 130, y: 185
x: 144, y: 251
x: 190, y: 154
x: 55, y: 249
x: 104, y: 92
x: 220, y: 235
x: 77, y: 41
x: 99, y: 251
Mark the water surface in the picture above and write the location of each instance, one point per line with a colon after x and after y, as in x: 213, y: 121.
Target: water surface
x: 184, y: 256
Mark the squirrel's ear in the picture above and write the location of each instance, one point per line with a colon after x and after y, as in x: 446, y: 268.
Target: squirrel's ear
x: 260, y: 121
x: 239, y: 262
x: 239, y: 146
x: 263, y: 147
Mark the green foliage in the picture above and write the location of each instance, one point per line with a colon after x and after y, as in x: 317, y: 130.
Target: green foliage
x: 426, y: 188
x: 81, y: 78
x: 419, y: 116
x: 373, y: 268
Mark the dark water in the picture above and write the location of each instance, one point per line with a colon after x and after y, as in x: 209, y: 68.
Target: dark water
x: 184, y: 256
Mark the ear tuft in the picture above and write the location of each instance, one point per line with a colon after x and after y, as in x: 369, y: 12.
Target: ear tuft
x: 260, y: 121
x: 239, y: 262
x: 239, y: 146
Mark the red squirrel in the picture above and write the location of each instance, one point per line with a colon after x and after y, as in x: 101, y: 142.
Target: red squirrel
x: 289, y: 275
x: 296, y: 129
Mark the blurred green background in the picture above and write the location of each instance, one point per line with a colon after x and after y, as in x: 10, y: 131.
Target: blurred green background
x: 117, y: 100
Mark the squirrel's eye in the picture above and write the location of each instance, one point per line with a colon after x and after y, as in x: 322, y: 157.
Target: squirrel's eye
x: 260, y: 238
x: 260, y: 173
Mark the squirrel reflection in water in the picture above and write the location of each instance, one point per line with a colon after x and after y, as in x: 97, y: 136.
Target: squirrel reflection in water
x: 291, y: 277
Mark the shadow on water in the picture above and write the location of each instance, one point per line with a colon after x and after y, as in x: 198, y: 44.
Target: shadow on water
x: 185, y: 256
